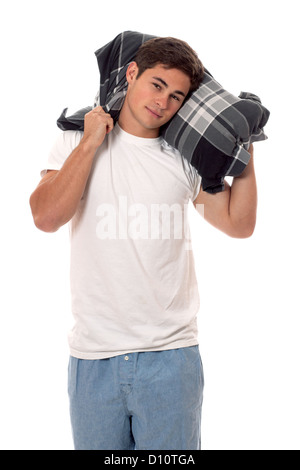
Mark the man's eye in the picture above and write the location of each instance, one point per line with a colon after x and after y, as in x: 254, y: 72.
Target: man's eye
x: 157, y: 86
x: 175, y: 98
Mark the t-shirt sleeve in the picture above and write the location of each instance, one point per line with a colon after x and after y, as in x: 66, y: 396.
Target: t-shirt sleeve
x: 63, y: 147
x: 193, y: 178
x: 196, y: 183
x: 190, y: 174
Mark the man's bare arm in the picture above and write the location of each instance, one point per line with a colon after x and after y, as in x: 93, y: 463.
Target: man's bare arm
x: 56, y: 198
x: 233, y: 211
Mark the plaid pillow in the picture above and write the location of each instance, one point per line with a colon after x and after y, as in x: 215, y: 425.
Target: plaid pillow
x: 213, y: 130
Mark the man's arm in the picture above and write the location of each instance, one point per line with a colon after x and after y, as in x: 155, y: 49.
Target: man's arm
x: 233, y: 211
x: 55, y: 200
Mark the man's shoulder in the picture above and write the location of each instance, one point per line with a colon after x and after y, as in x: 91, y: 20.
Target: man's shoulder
x: 71, y: 136
x: 178, y: 157
x: 172, y: 151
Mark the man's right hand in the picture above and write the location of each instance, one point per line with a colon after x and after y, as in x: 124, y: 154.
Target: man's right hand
x: 97, y: 123
x: 56, y: 198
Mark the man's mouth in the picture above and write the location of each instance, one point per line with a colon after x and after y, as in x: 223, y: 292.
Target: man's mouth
x: 154, y: 113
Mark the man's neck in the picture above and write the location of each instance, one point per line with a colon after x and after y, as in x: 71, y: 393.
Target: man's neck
x: 133, y: 127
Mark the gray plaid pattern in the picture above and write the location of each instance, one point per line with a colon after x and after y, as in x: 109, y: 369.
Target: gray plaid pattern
x: 113, y: 60
x: 211, y: 113
x: 213, y: 130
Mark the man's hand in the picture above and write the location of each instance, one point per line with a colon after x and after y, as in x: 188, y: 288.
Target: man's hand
x: 55, y: 200
x: 97, y: 123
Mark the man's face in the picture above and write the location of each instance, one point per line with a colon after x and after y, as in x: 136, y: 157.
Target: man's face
x: 152, y: 99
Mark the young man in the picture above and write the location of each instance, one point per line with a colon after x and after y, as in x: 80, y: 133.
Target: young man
x: 135, y: 373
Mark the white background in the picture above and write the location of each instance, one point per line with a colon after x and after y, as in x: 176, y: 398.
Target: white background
x: 249, y: 317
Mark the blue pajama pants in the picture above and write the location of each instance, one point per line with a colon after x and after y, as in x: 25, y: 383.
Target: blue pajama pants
x: 142, y: 401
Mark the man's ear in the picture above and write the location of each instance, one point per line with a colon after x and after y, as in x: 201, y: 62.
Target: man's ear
x: 132, y: 72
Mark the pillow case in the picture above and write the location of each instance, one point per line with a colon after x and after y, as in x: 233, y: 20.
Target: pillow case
x: 213, y: 130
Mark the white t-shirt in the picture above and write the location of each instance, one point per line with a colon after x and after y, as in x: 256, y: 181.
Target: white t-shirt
x: 133, y: 283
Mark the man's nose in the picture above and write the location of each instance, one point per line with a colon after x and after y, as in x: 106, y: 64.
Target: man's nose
x: 162, y: 102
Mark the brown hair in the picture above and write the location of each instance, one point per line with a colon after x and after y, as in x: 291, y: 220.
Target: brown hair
x: 172, y: 53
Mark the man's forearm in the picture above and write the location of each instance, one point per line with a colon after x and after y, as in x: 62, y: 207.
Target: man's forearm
x: 56, y: 199
x: 243, y: 200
